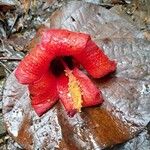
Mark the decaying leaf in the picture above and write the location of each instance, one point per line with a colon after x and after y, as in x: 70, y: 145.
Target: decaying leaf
x: 126, y: 110
x: 141, y: 142
x: 5, y: 6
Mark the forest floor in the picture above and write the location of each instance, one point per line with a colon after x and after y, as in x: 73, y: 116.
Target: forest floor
x: 19, y: 21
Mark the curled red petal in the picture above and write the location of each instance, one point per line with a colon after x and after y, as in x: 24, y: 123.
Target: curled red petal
x: 43, y: 93
x: 42, y: 108
x: 64, y: 42
x: 65, y: 97
x: 95, y: 61
x: 33, y: 66
x: 91, y: 94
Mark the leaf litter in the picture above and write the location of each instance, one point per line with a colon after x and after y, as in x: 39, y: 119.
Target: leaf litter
x: 119, y: 38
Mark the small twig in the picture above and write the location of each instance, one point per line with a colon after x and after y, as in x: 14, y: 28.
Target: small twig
x: 5, y: 66
x: 14, y: 23
x: 106, y: 5
x: 10, y: 59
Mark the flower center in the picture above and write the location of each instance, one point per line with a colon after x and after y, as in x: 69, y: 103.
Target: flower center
x: 74, y: 90
x: 65, y: 66
x: 57, y: 67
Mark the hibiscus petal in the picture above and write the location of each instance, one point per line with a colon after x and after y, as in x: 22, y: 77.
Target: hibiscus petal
x: 64, y: 95
x: 64, y: 42
x: 43, y: 93
x: 42, y: 108
x: 33, y: 66
x: 95, y: 61
x: 91, y: 94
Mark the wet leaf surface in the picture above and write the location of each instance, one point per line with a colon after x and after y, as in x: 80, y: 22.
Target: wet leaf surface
x: 141, y: 142
x: 126, y: 110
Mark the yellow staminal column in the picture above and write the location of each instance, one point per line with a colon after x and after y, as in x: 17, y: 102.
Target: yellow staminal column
x: 74, y: 90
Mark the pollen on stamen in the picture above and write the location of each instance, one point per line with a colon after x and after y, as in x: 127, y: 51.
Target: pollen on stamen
x: 74, y: 90
x: 69, y: 95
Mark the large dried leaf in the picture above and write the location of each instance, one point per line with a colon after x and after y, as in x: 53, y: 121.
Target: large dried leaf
x: 92, y: 19
x: 126, y: 110
x: 141, y: 142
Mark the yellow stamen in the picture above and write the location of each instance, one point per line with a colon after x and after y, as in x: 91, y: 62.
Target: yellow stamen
x: 74, y: 90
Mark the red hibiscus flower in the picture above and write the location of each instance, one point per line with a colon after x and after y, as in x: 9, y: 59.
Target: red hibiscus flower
x: 51, y: 71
